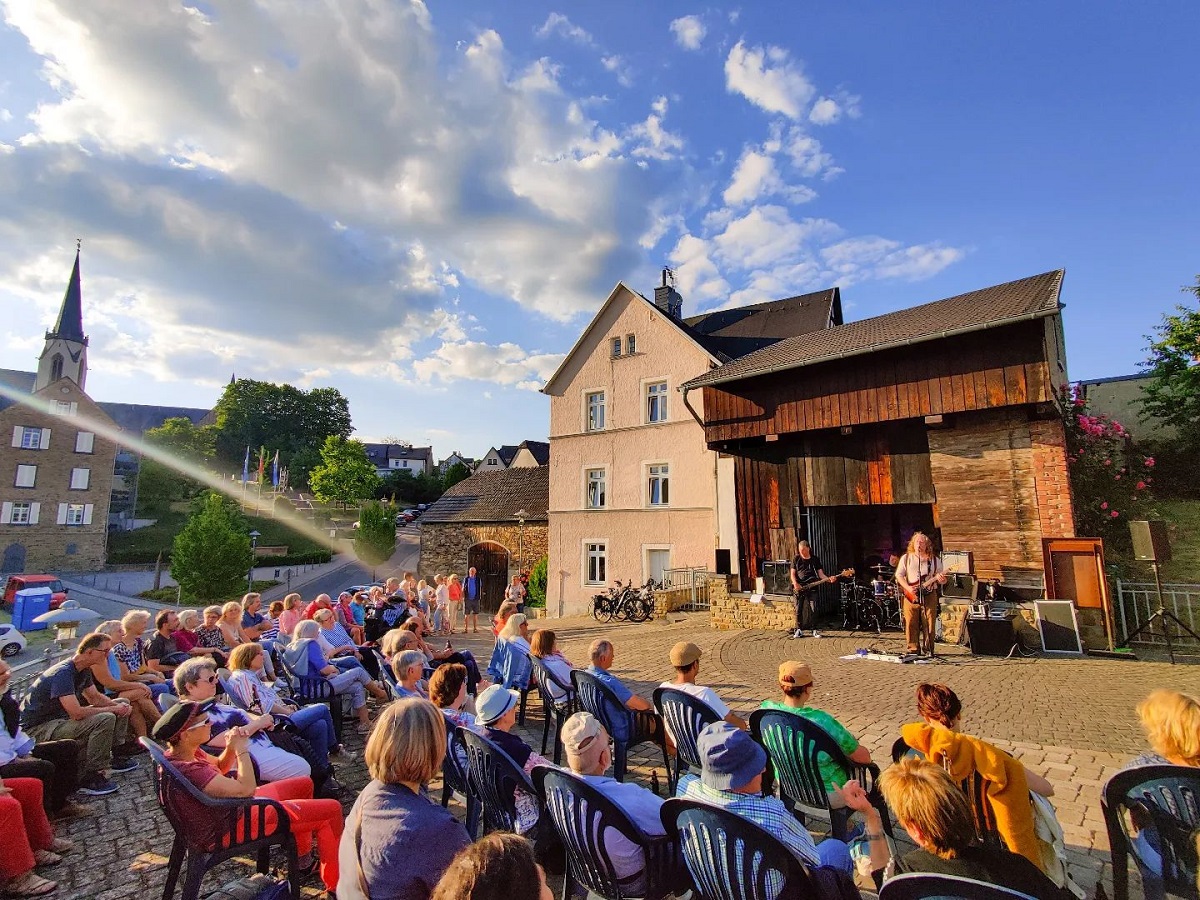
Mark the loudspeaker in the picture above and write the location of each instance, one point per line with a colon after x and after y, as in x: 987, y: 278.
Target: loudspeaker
x: 960, y: 587
x: 991, y: 637
x: 1150, y: 542
x: 724, y: 562
x: 776, y: 576
x: 1058, y: 626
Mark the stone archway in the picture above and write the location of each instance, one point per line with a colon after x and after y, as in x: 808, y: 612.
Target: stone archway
x: 491, y: 565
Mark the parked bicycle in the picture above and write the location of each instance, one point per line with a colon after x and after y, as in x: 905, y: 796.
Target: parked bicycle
x: 625, y: 602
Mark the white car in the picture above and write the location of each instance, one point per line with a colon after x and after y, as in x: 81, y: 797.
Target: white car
x: 12, y: 641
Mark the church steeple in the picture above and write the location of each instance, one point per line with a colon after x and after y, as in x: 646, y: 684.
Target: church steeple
x: 65, y: 353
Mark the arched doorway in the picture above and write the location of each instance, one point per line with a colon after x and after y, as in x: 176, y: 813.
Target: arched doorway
x: 491, y: 565
x: 14, y: 559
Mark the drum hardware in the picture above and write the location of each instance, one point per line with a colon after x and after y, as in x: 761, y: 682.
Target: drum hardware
x: 870, y: 607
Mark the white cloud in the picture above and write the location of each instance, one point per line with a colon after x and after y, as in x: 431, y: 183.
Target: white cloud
x: 557, y: 24
x: 506, y: 364
x: 769, y: 79
x: 756, y: 176
x: 828, y: 110
x: 696, y: 275
x: 650, y: 139
x: 767, y: 235
x: 808, y: 157
x: 878, y: 257
x: 617, y: 65
x: 689, y: 32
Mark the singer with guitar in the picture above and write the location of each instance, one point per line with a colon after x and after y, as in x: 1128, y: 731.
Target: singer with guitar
x: 920, y: 577
x: 807, y: 575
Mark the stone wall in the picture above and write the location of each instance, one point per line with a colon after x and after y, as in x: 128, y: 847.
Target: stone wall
x: 728, y: 610
x: 444, y: 546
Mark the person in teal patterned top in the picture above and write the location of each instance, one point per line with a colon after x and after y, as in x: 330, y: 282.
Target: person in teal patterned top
x: 796, y: 683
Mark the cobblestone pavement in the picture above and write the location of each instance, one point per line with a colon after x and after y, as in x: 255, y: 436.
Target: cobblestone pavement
x: 1071, y: 719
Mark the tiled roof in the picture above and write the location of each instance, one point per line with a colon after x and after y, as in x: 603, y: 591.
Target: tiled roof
x: 495, y: 497
x: 14, y: 379
x: 730, y: 333
x: 540, y: 450
x: 1024, y: 299
x: 506, y: 453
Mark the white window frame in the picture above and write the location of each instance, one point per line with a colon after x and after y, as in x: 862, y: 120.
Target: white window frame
x: 602, y: 406
x: 20, y: 513
x: 595, y: 548
x: 85, y: 477
x: 75, y: 513
x: 614, y: 348
x: 66, y: 407
x: 85, y: 442
x: 26, y: 476
x: 660, y: 396
x: 588, y: 481
x: 664, y: 475
x: 28, y: 438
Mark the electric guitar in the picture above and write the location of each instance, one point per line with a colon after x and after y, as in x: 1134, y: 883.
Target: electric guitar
x: 813, y: 585
x: 926, y: 585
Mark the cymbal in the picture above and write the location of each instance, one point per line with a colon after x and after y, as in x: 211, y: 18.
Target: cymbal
x: 881, y: 569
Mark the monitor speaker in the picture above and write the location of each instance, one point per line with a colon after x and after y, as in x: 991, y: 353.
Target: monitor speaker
x: 991, y: 637
x: 724, y: 562
x: 777, y: 576
x: 1150, y: 542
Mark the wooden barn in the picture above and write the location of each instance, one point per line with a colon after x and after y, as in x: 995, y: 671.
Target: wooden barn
x: 940, y: 417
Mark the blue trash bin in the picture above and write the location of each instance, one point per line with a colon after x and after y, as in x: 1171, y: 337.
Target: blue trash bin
x: 30, y: 603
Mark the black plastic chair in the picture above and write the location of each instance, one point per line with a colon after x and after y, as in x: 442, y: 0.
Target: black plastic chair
x: 493, y: 776
x: 235, y: 818
x: 685, y: 717
x: 557, y: 711
x: 920, y: 886
x: 582, y: 816
x: 1165, y: 802
x: 731, y: 858
x: 596, y: 697
x: 795, y: 746
x: 454, y: 777
x: 310, y: 689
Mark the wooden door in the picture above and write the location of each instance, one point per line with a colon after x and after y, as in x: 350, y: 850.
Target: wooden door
x: 491, y: 565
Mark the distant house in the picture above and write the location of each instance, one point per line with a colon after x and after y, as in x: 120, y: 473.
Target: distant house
x: 497, y: 458
x: 523, y: 455
x: 454, y: 459
x: 1120, y: 398
x: 388, y: 458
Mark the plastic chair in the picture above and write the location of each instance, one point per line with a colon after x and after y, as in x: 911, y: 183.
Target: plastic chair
x: 387, y: 674
x: 685, y: 717
x: 237, y: 817
x: 310, y: 689
x: 557, y: 710
x: 920, y: 886
x: 731, y: 858
x: 596, y: 697
x: 492, y: 776
x: 498, y: 661
x: 582, y: 816
x: 454, y: 777
x: 795, y: 746
x: 1165, y: 802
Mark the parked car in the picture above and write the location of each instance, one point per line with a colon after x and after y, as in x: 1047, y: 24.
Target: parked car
x: 422, y: 506
x: 355, y: 588
x: 12, y: 641
x: 20, y: 582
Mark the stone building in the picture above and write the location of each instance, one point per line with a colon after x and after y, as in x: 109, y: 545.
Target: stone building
x: 479, y: 522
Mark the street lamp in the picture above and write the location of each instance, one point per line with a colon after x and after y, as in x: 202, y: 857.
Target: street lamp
x: 254, y: 536
x: 520, y: 517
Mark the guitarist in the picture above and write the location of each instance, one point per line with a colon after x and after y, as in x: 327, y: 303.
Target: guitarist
x: 920, y: 576
x: 806, y: 574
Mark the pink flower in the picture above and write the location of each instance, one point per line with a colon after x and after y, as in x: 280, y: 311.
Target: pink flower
x: 1117, y: 477
x: 1150, y: 462
x: 1104, y: 505
x: 1108, y: 462
x: 1114, y: 514
x: 1141, y: 485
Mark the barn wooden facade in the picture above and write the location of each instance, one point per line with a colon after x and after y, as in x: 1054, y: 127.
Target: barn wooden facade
x: 941, y: 417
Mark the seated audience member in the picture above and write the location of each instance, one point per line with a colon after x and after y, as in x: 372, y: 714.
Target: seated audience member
x: 937, y: 815
x: 255, y: 627
x: 448, y: 692
x: 938, y: 738
x: 1171, y: 721
x: 507, y: 609
x: 358, y: 606
x: 685, y: 657
x: 344, y: 611
x: 496, y: 712
x: 29, y: 839
x: 446, y: 655
x: 399, y: 842
x: 143, y: 711
x: 230, y: 624
x: 273, y: 613
x: 196, y: 680
x: 291, y: 615
x: 64, y: 703
x: 306, y: 659
x: 185, y: 728
x: 637, y: 721
x: 209, y: 634
x: 409, y: 667
x: 314, y: 722
x: 187, y: 641
x: 731, y: 777
x: 589, y: 757
x: 545, y: 647
x: 796, y: 683
x: 339, y: 649
x: 54, y: 763
x: 163, y: 653
x: 131, y: 654
x: 497, y: 867
x: 322, y: 601
x: 516, y: 631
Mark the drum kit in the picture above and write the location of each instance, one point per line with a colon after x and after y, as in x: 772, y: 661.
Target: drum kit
x: 874, y: 606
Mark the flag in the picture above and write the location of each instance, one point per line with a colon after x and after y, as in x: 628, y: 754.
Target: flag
x: 262, y: 462
x: 275, y: 470
x: 246, y: 466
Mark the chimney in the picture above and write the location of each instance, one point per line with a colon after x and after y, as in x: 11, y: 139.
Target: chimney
x: 666, y: 297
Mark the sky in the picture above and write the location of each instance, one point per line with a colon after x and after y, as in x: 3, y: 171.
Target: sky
x: 424, y: 204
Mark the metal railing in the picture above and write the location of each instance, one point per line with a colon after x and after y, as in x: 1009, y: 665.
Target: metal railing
x: 693, y: 579
x: 1137, y: 601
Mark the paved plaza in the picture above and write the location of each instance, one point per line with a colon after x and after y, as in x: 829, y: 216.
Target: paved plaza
x: 1070, y: 719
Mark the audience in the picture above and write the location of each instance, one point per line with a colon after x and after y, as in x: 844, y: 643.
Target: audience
x: 185, y: 728
x: 209, y: 635
x: 685, y: 657
x: 254, y: 626
x: 446, y: 655
x: 339, y: 648
x: 496, y: 711
x: 107, y: 674
x: 516, y: 631
x: 291, y: 615
x: 344, y: 610
x: 29, y: 839
x: 188, y: 642
x: 507, y: 608
x: 399, y: 843
x: 637, y: 721
x: 131, y: 654
x: 454, y: 594
x: 448, y: 692
x: 937, y: 815
x: 545, y: 647
x: 409, y: 667
x: 497, y: 867
x: 1171, y: 721
x: 230, y: 624
x: 163, y: 653
x: 304, y: 656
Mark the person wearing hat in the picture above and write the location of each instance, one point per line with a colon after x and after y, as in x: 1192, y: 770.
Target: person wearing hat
x: 796, y: 685
x: 732, y: 766
x: 589, y: 755
x: 184, y: 728
x: 685, y: 657
x: 496, y: 710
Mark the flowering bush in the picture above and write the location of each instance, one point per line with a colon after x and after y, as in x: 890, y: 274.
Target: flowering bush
x: 1110, y: 481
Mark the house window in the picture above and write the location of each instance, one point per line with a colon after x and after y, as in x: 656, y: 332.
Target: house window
x: 658, y: 487
x: 616, y: 347
x: 80, y: 479
x: 31, y: 438
x: 597, y: 563
x: 630, y: 344
x: 74, y: 514
x: 491, y: 462
x: 19, y: 513
x: 595, y: 489
x: 656, y: 401
x: 65, y: 407
x: 56, y: 367
x: 26, y: 476
x: 85, y: 441
x: 595, y: 411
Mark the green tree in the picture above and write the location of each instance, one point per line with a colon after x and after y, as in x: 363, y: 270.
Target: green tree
x: 375, y: 540
x: 212, y: 554
x: 277, y: 416
x: 345, y: 475
x: 300, y: 465
x: 456, y: 473
x: 160, y: 485
x: 537, y: 582
x: 183, y: 439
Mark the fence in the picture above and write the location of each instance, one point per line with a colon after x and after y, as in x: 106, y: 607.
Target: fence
x: 690, y: 578
x: 1137, y: 601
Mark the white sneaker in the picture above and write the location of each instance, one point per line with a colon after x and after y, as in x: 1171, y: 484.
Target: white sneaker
x: 816, y: 633
x: 798, y: 633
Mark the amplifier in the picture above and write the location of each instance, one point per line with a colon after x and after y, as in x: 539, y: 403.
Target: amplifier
x: 991, y: 637
x: 961, y: 587
x: 777, y: 577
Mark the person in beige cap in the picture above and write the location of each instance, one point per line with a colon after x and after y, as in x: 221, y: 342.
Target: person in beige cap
x: 589, y: 755
x: 685, y: 657
x: 796, y: 685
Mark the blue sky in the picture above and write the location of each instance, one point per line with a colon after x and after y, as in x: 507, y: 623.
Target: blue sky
x: 423, y: 205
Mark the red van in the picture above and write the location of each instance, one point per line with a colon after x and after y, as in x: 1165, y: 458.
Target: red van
x: 20, y: 582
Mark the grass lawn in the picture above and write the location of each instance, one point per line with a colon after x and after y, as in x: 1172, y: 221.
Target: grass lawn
x: 1183, y: 526
x: 170, y: 594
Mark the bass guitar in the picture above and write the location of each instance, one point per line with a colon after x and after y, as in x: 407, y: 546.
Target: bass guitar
x: 813, y: 585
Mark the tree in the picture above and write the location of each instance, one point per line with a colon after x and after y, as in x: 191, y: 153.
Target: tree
x: 456, y: 473
x: 375, y: 539
x: 277, y: 416
x: 1173, y: 395
x: 537, y: 582
x: 345, y: 475
x: 405, y: 487
x: 301, y: 464
x: 212, y: 554
x: 159, y: 484
x: 184, y: 440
